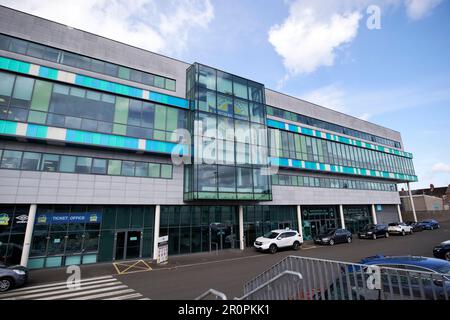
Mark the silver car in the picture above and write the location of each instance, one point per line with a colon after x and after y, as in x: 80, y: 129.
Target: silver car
x: 12, y: 277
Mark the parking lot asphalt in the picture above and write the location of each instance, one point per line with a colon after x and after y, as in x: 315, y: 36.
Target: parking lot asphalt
x: 186, y: 277
x: 228, y: 275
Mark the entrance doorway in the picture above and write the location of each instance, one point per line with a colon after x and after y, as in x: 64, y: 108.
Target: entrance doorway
x: 222, y: 236
x: 128, y: 244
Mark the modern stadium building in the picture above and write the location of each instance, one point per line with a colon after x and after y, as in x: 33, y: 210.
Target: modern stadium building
x: 88, y: 143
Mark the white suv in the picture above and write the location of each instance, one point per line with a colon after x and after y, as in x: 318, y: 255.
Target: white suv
x: 400, y: 228
x: 279, y: 239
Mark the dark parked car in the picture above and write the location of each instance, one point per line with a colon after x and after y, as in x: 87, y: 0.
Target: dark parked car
x: 12, y: 277
x: 333, y: 236
x: 416, y: 226
x: 373, y: 231
x: 442, y: 251
x: 429, y: 224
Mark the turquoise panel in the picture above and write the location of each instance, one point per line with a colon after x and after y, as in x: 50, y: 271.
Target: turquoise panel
x: 89, y: 258
x: 307, y: 131
x: 275, y: 124
x: 52, y: 262
x: 48, y: 73
x: 296, y: 163
x: 8, y: 127
x: 71, y: 260
x: 14, y: 65
x: 166, y: 99
x: 36, y: 131
x: 36, y: 263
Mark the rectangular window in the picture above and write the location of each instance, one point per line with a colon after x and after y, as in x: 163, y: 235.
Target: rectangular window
x: 166, y: 171
x: 154, y: 170
x: 50, y: 162
x: 37, y: 117
x: 99, y: 166
x: 31, y: 161
x: 124, y: 73
x: 23, y: 89
x: 141, y: 169
x: 160, y: 118
x: 240, y: 88
x: 114, y: 167
x: 67, y: 164
x: 128, y: 168
x: 121, y: 111
x: 224, y: 83
x: 241, y: 109
x: 6, y: 85
x: 83, y: 165
x: 11, y: 159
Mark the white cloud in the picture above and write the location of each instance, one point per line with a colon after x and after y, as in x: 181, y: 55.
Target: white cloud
x: 307, y: 41
x: 314, y: 31
x: 441, y: 167
x: 418, y: 9
x: 158, y: 26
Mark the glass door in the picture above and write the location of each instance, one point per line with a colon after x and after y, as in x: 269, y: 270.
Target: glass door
x: 128, y: 244
x: 120, y: 245
x: 133, y: 246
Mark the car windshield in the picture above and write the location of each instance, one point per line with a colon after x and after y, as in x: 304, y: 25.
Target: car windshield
x: 330, y: 232
x: 369, y: 227
x: 271, y: 235
x: 393, y: 224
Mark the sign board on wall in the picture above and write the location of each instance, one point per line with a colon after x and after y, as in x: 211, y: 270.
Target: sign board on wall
x: 61, y: 218
x: 163, y: 249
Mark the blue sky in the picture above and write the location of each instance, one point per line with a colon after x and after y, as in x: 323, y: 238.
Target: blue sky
x: 319, y: 50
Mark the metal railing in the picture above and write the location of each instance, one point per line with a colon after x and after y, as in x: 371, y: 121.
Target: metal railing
x: 211, y: 292
x: 284, y: 286
x: 335, y: 280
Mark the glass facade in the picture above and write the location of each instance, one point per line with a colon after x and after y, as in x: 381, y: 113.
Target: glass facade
x: 30, y: 100
x: 305, y: 180
x: 49, y: 162
x: 301, y: 147
x: 230, y: 137
x: 318, y: 219
x: 356, y: 218
x: 199, y: 228
x: 79, y: 234
x: 13, y: 223
x: 284, y: 114
x: 39, y: 51
x: 261, y: 219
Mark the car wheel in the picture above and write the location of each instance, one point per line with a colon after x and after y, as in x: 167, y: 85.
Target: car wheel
x: 411, y: 231
x: 387, y: 235
x: 273, y: 248
x: 374, y: 236
x: 331, y: 242
x: 5, y: 284
x: 403, y: 232
x: 447, y: 256
x: 438, y: 226
x: 296, y: 245
x: 349, y: 240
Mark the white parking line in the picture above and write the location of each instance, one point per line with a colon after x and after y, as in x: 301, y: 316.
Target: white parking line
x: 69, y: 295
x: 52, y: 288
x: 106, y: 294
x: 60, y: 283
x: 128, y: 296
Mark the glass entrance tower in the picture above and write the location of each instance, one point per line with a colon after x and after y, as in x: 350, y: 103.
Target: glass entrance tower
x: 229, y: 138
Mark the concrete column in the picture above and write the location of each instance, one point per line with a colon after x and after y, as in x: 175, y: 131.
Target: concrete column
x: 341, y: 213
x: 412, y: 202
x: 28, y: 235
x: 241, y: 228
x: 374, y: 214
x: 400, y: 219
x: 299, y: 219
x: 156, y: 231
